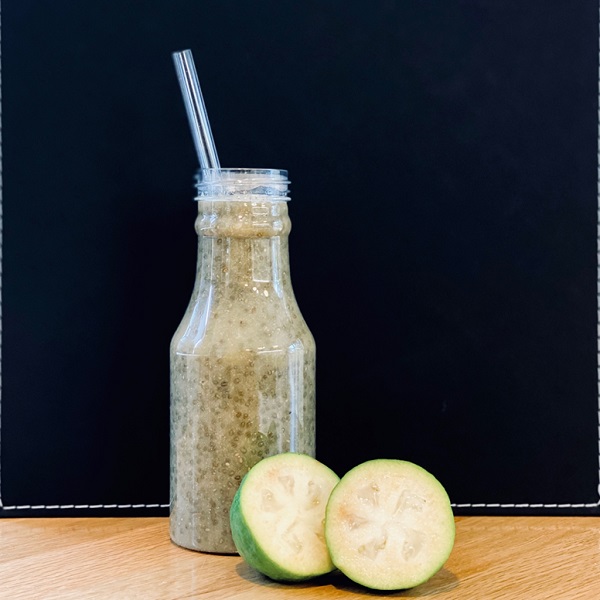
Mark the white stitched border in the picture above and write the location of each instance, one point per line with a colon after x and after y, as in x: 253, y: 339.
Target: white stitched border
x: 1, y: 246
x: 150, y: 506
x: 79, y: 506
x: 598, y: 251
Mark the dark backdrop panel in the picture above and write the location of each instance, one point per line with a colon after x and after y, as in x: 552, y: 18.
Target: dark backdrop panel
x: 443, y: 159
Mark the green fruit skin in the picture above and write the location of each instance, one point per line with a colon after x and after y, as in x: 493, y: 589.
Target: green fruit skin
x: 250, y: 551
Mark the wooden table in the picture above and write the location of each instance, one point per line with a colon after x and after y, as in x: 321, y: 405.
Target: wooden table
x: 494, y: 557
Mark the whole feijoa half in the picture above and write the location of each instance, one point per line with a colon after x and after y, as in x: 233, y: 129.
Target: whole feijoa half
x: 278, y: 517
x: 389, y: 525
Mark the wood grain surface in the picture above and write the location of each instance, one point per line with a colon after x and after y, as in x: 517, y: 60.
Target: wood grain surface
x: 494, y: 558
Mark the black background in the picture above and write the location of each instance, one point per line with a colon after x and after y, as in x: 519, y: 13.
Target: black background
x: 443, y: 160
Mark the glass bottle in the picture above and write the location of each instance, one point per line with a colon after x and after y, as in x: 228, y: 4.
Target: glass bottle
x: 242, y: 359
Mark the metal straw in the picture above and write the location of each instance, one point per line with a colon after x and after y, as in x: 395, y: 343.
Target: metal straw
x: 196, y: 110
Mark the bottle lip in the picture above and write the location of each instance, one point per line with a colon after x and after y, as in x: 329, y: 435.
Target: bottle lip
x: 240, y: 172
x: 239, y: 182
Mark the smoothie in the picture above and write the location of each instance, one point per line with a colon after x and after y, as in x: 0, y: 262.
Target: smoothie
x: 242, y: 365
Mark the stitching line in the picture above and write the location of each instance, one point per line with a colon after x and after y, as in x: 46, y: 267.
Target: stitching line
x: 1, y: 247
x: 459, y: 505
x: 79, y: 506
x: 598, y: 249
x: 524, y: 505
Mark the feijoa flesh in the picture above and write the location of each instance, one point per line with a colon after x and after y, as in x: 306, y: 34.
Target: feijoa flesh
x: 389, y: 525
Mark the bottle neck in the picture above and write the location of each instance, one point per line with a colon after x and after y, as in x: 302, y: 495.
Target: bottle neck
x: 244, y: 245
x: 252, y: 219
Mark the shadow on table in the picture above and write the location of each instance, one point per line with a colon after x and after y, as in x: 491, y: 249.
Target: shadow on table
x: 442, y: 581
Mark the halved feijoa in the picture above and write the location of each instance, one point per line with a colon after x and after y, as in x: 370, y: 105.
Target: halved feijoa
x: 389, y: 525
x: 278, y: 517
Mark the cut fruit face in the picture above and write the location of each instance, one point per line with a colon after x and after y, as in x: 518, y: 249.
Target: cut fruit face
x: 278, y: 517
x: 389, y: 525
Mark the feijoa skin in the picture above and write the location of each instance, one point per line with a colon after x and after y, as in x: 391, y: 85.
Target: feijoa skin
x: 278, y: 517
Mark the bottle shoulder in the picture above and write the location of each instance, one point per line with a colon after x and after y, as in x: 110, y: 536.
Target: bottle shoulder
x: 255, y: 322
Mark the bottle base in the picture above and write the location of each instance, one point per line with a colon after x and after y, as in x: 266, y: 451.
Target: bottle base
x: 204, y: 550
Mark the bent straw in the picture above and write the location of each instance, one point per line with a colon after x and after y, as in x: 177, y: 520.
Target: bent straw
x: 196, y: 110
